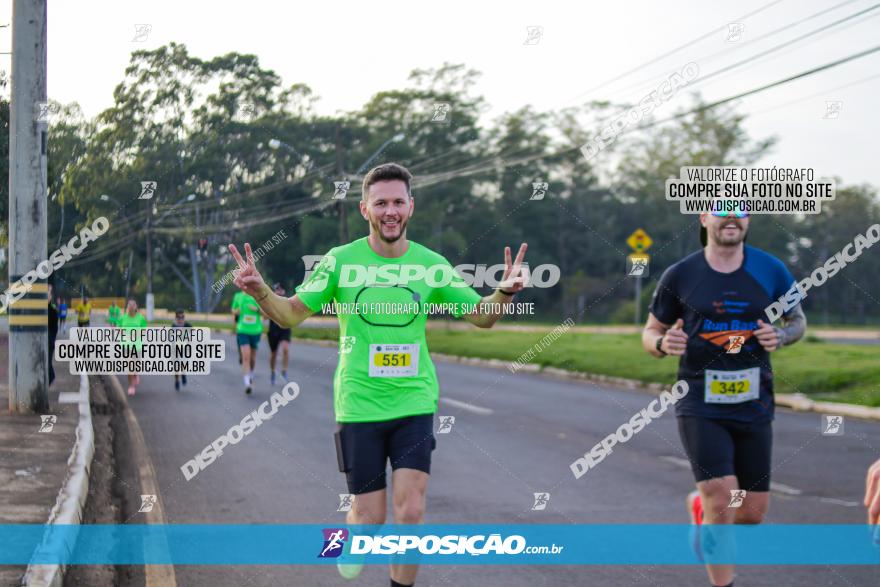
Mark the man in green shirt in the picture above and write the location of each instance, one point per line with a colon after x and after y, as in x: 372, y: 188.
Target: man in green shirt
x: 248, y: 329
x: 385, y: 388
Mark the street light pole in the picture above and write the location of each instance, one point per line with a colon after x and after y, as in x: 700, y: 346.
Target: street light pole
x: 149, y: 260
x: 28, y: 135
x: 343, y: 216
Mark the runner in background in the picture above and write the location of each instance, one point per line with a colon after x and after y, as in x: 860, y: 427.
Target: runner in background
x: 235, y: 300
x: 83, y: 312
x: 278, y: 337
x: 248, y: 330
x: 62, y: 313
x: 709, y: 310
x: 133, y: 319
x: 113, y: 314
x: 180, y: 322
x: 53, y: 331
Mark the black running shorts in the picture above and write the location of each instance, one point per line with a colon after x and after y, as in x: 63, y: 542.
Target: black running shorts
x: 364, y: 449
x: 276, y: 337
x: 717, y: 448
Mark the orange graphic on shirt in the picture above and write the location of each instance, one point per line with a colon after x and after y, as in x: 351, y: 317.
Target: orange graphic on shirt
x: 722, y: 337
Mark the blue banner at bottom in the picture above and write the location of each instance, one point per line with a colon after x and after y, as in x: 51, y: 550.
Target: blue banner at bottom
x: 524, y: 544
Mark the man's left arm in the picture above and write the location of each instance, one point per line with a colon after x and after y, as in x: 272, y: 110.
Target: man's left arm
x: 491, y: 307
x: 794, y: 325
x: 792, y: 328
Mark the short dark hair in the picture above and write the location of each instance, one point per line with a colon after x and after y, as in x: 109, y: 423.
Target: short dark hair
x: 387, y: 172
x: 178, y: 311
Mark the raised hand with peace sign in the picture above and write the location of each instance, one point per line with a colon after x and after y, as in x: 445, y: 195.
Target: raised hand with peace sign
x: 514, y: 279
x: 489, y: 311
x: 247, y: 278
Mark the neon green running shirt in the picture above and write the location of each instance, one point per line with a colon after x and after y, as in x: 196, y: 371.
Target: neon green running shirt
x: 384, y: 370
x: 130, y: 323
x: 249, y: 321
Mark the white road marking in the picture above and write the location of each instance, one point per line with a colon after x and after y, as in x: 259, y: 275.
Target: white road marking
x: 776, y: 487
x: 466, y: 406
x: 843, y: 502
x: 677, y: 461
x: 780, y: 488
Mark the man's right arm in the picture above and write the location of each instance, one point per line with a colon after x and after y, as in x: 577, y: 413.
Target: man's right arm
x: 653, y: 330
x: 665, y: 303
x: 285, y: 312
x: 674, y: 338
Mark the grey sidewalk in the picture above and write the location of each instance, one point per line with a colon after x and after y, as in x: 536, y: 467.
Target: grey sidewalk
x: 33, y: 464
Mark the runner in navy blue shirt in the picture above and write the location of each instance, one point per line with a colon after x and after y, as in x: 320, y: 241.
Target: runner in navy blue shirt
x: 709, y: 310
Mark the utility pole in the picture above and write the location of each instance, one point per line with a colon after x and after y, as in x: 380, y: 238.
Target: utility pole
x: 343, y: 215
x: 128, y: 273
x: 28, y: 135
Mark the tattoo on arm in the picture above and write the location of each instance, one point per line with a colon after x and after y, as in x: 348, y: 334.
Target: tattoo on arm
x: 793, y: 327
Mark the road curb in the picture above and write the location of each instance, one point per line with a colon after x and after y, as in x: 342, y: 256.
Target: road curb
x: 155, y: 575
x: 71, y: 498
x: 795, y: 401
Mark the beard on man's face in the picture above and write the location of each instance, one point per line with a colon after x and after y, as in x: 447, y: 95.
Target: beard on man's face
x: 729, y: 232
x: 389, y: 234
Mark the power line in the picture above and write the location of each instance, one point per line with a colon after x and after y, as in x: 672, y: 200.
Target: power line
x: 792, y: 78
x: 740, y: 46
x: 775, y: 48
x: 486, y: 165
x: 676, y: 50
x: 821, y: 29
x: 816, y: 95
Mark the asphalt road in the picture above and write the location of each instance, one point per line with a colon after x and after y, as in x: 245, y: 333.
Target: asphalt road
x: 514, y: 435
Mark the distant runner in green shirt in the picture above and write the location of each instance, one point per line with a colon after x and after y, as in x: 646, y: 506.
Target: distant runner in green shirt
x: 248, y: 329
x: 385, y: 389
x: 113, y: 314
x: 132, y: 319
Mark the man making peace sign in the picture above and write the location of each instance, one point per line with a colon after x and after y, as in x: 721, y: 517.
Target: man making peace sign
x: 385, y: 386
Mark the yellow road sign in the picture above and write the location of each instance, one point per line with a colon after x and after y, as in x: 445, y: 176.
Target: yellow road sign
x: 639, y: 241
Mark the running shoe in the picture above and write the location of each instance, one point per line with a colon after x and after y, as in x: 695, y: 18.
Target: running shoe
x: 695, y: 511
x: 349, y: 565
x: 349, y: 570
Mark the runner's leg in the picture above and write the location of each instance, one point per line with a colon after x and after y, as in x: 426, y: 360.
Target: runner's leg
x: 715, y: 494
x: 246, y: 366
x: 408, y: 488
x: 753, y: 462
x: 361, y: 455
x: 753, y: 508
x: 285, y: 345
x: 273, y: 353
x: 711, y: 448
x: 368, y: 508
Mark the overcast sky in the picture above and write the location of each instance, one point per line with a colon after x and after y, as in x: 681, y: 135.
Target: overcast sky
x: 347, y: 51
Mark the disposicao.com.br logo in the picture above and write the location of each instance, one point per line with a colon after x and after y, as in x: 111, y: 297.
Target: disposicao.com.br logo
x: 430, y: 544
